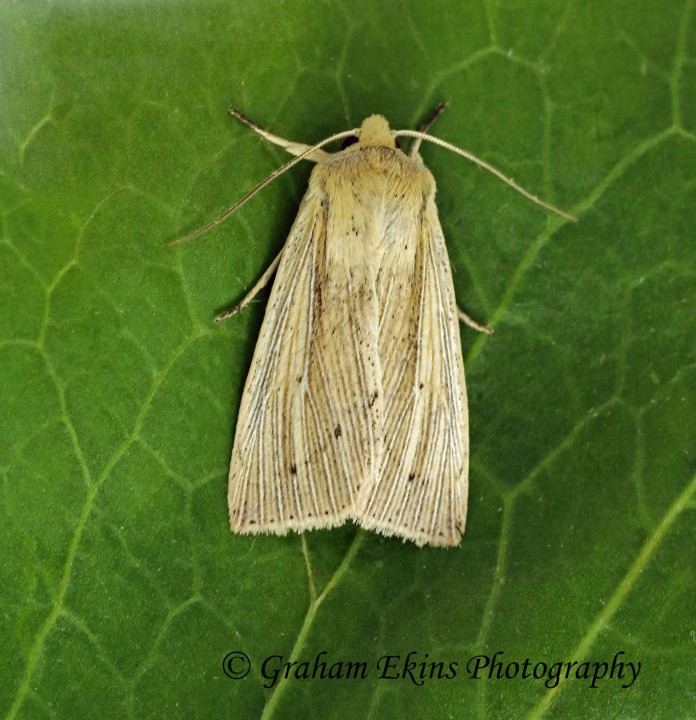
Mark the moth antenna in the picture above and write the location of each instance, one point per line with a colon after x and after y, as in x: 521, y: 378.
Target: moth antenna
x: 273, y: 176
x: 486, y: 166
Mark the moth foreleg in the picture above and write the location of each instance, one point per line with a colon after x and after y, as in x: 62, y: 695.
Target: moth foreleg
x: 292, y: 147
x: 425, y: 126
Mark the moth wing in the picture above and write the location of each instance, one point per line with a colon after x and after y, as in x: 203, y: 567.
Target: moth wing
x: 306, y: 432
x: 421, y: 488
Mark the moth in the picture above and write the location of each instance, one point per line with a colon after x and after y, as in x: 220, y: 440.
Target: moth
x: 355, y: 404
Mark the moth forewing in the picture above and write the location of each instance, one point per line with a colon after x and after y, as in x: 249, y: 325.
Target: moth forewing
x: 305, y: 428
x: 421, y: 488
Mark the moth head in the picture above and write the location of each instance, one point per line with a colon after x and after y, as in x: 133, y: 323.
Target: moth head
x: 375, y: 131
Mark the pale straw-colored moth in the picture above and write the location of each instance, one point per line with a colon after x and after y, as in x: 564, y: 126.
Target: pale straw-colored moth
x: 355, y: 404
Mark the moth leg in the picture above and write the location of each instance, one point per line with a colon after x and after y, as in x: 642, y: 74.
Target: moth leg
x: 425, y: 126
x: 292, y: 147
x: 472, y: 323
x: 263, y: 281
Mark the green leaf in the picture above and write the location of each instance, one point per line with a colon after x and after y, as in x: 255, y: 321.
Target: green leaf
x: 122, y: 587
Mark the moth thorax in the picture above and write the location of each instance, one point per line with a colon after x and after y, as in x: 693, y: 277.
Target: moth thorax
x: 375, y: 131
